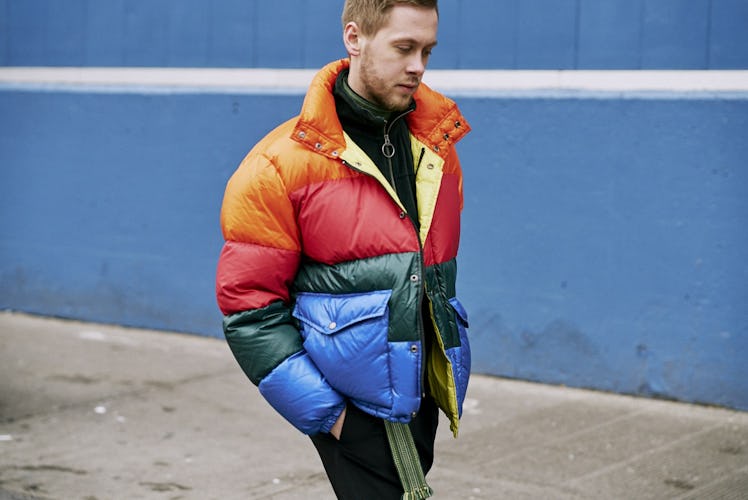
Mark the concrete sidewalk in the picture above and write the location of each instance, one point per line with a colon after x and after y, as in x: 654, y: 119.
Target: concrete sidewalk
x: 90, y: 411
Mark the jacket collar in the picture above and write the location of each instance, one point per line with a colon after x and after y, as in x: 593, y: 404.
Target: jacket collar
x: 350, y: 102
x: 436, y: 121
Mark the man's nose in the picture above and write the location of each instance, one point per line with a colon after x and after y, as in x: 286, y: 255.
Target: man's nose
x: 417, y: 64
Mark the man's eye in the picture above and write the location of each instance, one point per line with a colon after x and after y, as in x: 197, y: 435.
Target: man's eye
x: 404, y: 48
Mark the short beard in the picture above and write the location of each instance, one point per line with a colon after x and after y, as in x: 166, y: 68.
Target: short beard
x: 370, y: 81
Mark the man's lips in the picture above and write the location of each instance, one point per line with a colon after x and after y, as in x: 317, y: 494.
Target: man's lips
x: 411, y: 87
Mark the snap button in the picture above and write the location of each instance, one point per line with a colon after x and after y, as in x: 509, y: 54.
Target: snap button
x: 414, y: 414
x: 446, y: 137
x: 332, y: 325
x: 458, y: 124
x: 335, y: 153
x: 318, y: 146
x: 302, y: 134
x: 413, y: 278
x: 414, y: 348
x: 402, y: 215
x: 430, y: 166
x: 436, y: 148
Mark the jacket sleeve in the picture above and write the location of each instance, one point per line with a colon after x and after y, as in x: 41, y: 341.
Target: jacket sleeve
x: 259, y: 260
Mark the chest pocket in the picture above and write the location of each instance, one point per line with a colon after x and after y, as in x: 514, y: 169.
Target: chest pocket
x: 346, y: 337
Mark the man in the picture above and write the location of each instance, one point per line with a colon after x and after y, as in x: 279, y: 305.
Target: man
x: 337, y: 278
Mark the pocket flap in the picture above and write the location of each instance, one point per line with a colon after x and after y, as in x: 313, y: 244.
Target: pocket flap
x: 330, y: 313
x: 459, y: 309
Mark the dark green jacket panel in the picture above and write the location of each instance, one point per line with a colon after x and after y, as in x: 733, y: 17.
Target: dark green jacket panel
x: 261, y: 339
x: 440, y: 287
x: 400, y: 273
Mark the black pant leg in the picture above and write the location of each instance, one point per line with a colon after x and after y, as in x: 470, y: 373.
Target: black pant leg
x: 423, y: 428
x: 360, y: 465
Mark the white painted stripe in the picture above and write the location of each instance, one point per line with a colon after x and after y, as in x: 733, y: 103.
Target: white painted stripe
x: 211, y: 78
x: 297, y: 80
x: 602, y: 80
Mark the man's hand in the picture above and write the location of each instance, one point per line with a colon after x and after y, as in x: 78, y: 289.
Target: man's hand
x: 337, y: 427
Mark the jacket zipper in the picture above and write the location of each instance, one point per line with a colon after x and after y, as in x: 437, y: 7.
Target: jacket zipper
x: 388, y: 150
x: 421, y: 328
x: 423, y: 296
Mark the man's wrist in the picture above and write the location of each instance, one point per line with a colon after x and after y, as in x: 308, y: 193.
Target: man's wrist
x: 337, y: 427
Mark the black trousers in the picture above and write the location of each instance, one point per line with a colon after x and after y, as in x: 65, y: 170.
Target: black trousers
x: 360, y: 464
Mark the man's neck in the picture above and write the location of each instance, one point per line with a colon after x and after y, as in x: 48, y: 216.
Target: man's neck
x: 365, y: 103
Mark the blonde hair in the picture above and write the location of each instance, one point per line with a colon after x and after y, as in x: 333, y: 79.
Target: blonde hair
x: 371, y: 15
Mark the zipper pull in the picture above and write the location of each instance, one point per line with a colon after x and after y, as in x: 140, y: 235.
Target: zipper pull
x: 388, y: 149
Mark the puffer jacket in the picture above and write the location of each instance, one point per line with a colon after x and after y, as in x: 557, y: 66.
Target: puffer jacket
x: 322, y: 276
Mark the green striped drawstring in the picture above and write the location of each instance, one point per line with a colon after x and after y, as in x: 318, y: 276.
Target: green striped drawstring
x: 407, y: 462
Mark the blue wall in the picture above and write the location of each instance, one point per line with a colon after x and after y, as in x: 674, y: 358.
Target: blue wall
x: 604, y: 240
x: 109, y: 202
x: 606, y: 243
x: 513, y: 34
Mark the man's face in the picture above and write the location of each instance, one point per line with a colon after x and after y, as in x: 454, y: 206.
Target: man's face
x: 392, y: 61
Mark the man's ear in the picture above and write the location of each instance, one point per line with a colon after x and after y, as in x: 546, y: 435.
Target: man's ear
x: 352, y: 39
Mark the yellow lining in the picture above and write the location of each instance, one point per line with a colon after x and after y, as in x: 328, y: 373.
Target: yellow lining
x: 441, y: 379
x: 428, y: 181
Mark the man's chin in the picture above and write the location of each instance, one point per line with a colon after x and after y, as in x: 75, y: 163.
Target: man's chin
x: 397, y: 105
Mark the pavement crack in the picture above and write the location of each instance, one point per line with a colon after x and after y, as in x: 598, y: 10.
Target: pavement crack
x: 47, y: 468
x: 651, y: 451
x: 74, y: 379
x: 163, y: 487
x: 679, y: 484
